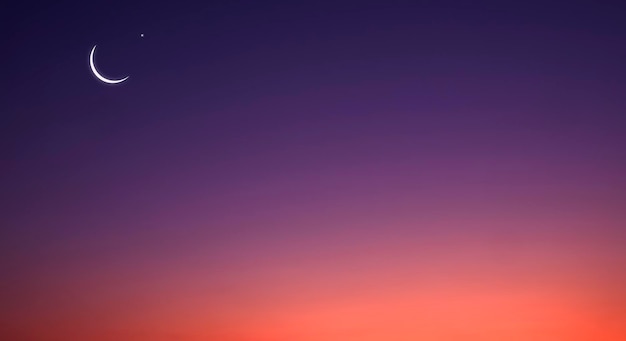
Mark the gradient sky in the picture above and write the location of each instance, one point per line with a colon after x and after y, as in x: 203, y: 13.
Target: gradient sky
x: 321, y: 171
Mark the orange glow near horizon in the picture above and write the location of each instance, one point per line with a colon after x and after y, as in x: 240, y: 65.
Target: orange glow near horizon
x: 440, y: 288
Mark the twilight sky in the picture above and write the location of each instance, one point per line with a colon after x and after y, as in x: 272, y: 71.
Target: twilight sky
x: 314, y: 171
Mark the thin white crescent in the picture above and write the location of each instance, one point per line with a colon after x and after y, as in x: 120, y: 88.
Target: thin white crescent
x: 97, y: 74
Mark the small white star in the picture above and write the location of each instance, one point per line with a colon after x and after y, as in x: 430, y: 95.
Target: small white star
x: 142, y: 35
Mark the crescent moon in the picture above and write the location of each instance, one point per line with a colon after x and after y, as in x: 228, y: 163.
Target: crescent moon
x: 97, y: 74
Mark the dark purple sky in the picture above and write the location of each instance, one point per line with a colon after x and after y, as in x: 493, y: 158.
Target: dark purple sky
x: 255, y: 137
